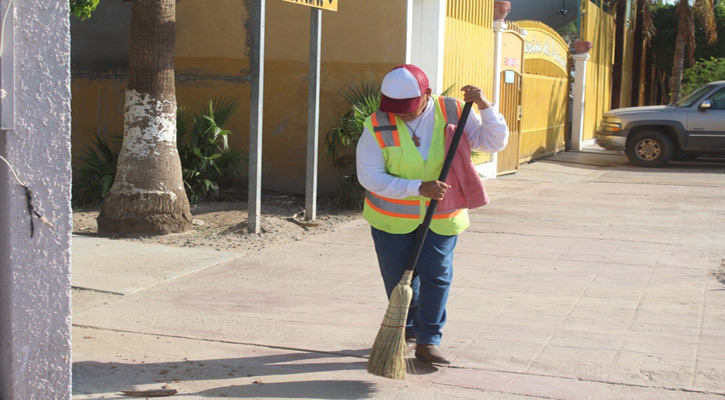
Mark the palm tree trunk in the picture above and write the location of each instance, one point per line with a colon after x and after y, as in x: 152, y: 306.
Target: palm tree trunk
x: 148, y: 194
x: 685, y: 38
x: 619, y: 45
x: 677, y: 65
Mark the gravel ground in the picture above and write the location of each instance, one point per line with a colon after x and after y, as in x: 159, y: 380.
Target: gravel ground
x: 223, y: 225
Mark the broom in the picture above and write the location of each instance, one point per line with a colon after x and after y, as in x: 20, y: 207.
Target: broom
x: 387, y: 356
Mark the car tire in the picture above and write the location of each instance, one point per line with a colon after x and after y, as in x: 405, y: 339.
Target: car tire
x: 649, y: 149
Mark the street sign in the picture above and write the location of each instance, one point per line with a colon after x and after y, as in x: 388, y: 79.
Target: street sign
x: 330, y: 5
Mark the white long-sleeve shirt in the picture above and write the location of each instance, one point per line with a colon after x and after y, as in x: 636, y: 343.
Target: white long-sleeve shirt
x: 486, y: 132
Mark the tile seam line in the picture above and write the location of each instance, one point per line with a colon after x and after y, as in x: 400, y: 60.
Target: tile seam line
x: 571, y: 309
x: 696, y: 351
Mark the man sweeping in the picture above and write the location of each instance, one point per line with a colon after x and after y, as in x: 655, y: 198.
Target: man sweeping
x: 399, y: 158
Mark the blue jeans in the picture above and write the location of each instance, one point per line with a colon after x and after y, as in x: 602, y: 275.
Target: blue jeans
x: 431, y: 281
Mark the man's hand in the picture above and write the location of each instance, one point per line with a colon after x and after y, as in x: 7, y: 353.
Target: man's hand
x: 435, y: 190
x: 475, y: 94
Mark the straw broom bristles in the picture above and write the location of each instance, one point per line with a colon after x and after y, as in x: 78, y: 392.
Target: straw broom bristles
x: 387, y: 357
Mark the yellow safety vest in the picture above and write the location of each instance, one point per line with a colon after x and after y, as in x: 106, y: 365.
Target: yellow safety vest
x: 403, y: 160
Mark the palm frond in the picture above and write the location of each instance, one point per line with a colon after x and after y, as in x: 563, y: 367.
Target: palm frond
x: 222, y: 109
x: 648, y: 25
x: 686, y: 28
x: 705, y: 10
x: 448, y: 90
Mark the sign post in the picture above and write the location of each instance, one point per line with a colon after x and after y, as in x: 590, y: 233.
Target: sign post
x: 313, y: 115
x: 313, y: 108
x: 256, y: 62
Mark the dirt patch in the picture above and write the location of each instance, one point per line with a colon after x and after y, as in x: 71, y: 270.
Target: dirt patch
x: 223, y: 225
x: 719, y: 274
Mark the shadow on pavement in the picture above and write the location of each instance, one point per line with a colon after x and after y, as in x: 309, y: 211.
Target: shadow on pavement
x: 255, y: 376
x: 322, y: 389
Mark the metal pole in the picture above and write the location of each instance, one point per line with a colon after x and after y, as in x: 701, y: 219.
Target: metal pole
x: 256, y: 60
x: 313, y: 115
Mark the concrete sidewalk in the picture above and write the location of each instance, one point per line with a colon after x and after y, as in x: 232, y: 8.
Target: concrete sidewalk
x: 585, y: 278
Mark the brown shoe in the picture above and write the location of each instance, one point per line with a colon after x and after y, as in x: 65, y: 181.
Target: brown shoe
x: 410, y: 342
x: 430, y: 353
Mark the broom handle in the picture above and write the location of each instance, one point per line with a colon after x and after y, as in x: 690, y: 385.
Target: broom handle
x: 423, y: 229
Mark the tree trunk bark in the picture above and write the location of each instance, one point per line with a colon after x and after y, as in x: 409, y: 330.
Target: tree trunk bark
x: 678, y: 63
x: 639, y: 53
x: 148, y: 194
x: 616, y: 101
x: 680, y: 44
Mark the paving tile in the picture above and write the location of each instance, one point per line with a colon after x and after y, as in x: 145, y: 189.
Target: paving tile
x: 587, y: 340
x: 574, y: 362
x: 669, y: 371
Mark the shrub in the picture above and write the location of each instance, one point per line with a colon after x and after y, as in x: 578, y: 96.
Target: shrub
x: 702, y: 72
x: 204, y: 149
x: 363, y: 100
x: 93, y: 178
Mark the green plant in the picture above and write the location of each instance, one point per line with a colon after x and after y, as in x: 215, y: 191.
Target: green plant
x: 702, y: 72
x: 364, y: 100
x: 206, y: 157
x: 341, y: 140
x: 93, y: 178
x: 82, y: 9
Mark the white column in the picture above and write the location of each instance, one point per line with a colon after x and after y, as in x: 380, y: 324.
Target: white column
x: 577, y: 112
x: 427, y: 28
x: 499, y: 27
x: 35, y: 263
x: 490, y: 169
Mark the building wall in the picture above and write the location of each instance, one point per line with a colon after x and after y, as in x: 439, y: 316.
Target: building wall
x: 597, y: 27
x: 35, y: 313
x: 360, y: 43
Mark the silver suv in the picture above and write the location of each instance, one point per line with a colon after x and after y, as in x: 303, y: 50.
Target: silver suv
x: 652, y: 136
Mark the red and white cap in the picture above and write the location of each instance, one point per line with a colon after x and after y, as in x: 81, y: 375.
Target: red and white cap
x: 402, y: 89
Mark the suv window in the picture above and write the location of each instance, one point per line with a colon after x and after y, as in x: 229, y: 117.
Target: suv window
x: 691, y: 98
x: 718, y: 100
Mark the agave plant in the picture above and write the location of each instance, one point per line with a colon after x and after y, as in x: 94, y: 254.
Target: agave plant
x: 203, y: 145
x: 93, y: 178
x: 341, y: 141
x: 363, y: 100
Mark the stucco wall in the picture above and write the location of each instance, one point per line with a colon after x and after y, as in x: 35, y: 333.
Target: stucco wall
x: 35, y: 339
x: 360, y: 43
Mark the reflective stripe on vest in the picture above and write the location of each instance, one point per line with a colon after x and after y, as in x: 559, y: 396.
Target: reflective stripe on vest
x: 393, y: 207
x: 404, y: 215
x: 402, y: 208
x: 451, y: 109
x: 386, y: 133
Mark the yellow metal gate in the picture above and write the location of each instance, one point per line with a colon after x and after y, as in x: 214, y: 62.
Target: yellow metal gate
x: 512, y: 56
x: 510, y: 107
x: 545, y: 97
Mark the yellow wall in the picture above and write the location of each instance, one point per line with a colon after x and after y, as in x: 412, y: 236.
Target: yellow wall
x: 468, y: 55
x: 597, y: 27
x: 212, y: 60
x: 545, y: 92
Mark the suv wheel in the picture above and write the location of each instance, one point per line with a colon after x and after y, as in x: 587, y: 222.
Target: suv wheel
x: 649, y: 149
